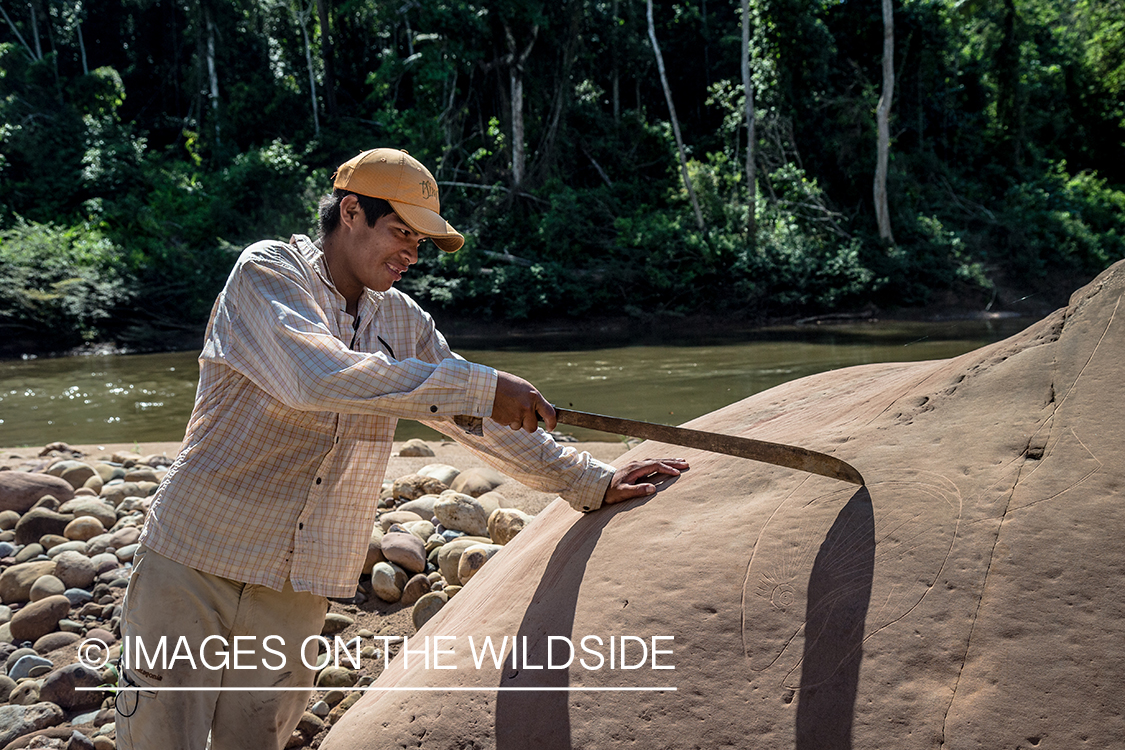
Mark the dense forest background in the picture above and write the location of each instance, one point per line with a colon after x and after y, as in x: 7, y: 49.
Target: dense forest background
x: 144, y: 142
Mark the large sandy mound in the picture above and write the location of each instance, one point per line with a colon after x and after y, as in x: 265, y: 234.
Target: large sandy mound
x: 970, y: 596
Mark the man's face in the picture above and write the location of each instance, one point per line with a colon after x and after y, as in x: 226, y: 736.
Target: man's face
x: 384, y: 252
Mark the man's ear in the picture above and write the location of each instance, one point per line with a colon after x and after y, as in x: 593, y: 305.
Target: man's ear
x: 350, y: 211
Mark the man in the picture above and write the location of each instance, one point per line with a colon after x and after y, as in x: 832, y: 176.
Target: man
x: 310, y: 358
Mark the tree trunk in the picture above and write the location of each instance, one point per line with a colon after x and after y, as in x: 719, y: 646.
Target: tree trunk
x: 748, y: 88
x: 212, y: 74
x: 302, y: 17
x: 883, y: 117
x: 515, y: 81
x: 672, y: 113
x: 329, y: 64
x: 82, y: 50
x: 614, y: 37
x: 16, y: 31
x: 35, y: 32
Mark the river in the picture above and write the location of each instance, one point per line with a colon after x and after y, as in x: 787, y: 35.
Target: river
x: 148, y: 397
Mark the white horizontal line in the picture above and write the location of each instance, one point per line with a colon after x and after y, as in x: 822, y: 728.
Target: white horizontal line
x: 388, y: 689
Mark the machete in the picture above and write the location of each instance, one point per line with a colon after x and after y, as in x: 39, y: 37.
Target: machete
x: 789, y: 456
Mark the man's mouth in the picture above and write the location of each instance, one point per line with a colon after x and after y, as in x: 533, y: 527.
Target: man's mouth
x: 396, y: 271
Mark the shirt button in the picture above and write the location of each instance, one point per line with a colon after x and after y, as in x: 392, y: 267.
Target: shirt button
x: 300, y: 526
x: 337, y: 438
x: 433, y: 409
x: 318, y: 480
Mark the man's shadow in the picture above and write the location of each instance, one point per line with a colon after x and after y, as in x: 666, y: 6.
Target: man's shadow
x: 541, y: 719
x: 838, y: 599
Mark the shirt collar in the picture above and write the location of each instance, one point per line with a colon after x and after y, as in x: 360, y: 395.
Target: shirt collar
x: 314, y: 254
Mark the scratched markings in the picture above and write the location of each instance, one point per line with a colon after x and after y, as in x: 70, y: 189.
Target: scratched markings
x: 895, y: 549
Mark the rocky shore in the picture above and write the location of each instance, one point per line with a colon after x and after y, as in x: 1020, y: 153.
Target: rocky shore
x: 70, y: 517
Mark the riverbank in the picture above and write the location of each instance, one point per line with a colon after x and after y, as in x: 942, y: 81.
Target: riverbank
x: 70, y: 516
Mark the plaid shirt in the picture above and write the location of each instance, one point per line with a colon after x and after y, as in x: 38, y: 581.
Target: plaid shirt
x: 281, y: 467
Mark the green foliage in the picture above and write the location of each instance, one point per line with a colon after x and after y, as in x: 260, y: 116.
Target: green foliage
x: 1007, y: 156
x: 60, y: 284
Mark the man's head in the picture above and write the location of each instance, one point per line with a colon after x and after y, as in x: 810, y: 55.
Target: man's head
x: 385, y: 179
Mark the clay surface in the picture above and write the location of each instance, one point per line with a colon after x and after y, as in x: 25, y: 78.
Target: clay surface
x: 969, y: 596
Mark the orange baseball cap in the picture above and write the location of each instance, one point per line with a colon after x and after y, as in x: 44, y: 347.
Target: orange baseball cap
x: 401, y: 180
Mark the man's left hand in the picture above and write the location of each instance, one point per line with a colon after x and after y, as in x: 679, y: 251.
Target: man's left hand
x: 625, y: 484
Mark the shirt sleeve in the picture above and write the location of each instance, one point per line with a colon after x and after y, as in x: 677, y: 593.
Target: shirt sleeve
x: 534, y: 459
x: 268, y: 326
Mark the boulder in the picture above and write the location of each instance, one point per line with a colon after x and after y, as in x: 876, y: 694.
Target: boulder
x: 405, y: 550
x: 505, y: 523
x: 93, y: 507
x: 444, y: 473
x: 415, y: 448
x: 39, y: 522
x: 413, y: 486
x: 16, y: 721
x: 20, y: 490
x: 473, y: 559
x: 477, y: 481
x: 461, y: 513
x: 16, y: 581
x: 966, y: 596
x: 75, y: 570
x: 39, y: 618
x: 449, y: 556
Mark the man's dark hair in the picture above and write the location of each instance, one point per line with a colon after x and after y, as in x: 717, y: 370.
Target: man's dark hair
x: 329, y: 210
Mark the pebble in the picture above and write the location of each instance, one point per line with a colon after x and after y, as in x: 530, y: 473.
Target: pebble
x: 415, y: 448
x: 397, y: 516
x: 414, y: 589
x: 30, y: 665
x: 39, y: 618
x: 449, y: 556
x: 473, y: 559
x: 477, y: 481
x: 336, y: 623
x: 505, y: 523
x: 462, y: 513
x: 428, y: 606
x: 78, y: 597
x: 18, y: 720
x: 405, y: 550
x: 320, y: 709
x: 45, y: 586
x: 444, y: 473
x: 387, y: 581
x: 83, y: 528
x: 75, y: 570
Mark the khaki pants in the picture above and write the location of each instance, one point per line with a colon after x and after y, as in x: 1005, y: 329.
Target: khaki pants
x: 215, y: 633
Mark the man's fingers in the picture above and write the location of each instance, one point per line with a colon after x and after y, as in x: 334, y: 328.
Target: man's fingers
x: 671, y: 467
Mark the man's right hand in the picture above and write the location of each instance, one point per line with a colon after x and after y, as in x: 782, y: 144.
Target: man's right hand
x: 518, y: 405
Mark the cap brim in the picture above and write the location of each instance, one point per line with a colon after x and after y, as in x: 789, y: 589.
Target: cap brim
x: 424, y: 221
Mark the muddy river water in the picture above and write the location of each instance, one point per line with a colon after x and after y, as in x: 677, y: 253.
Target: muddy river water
x: 148, y: 397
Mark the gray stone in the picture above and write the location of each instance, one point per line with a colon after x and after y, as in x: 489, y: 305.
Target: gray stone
x: 25, y: 694
x: 58, y: 549
x: 75, y: 570
x: 125, y: 554
x: 30, y: 665
x: 423, y: 506
x: 461, y: 512
x: 16, y: 721
x: 8, y: 519
x: 386, y: 520
x: 78, y: 597
x: 444, y: 473
x: 20, y: 490
x: 415, y: 448
x: 477, y: 481
x: 426, y: 607
x: 421, y: 529
x: 387, y: 580
x: 335, y: 622
x: 405, y: 550
x: 30, y: 552
x: 61, y: 687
